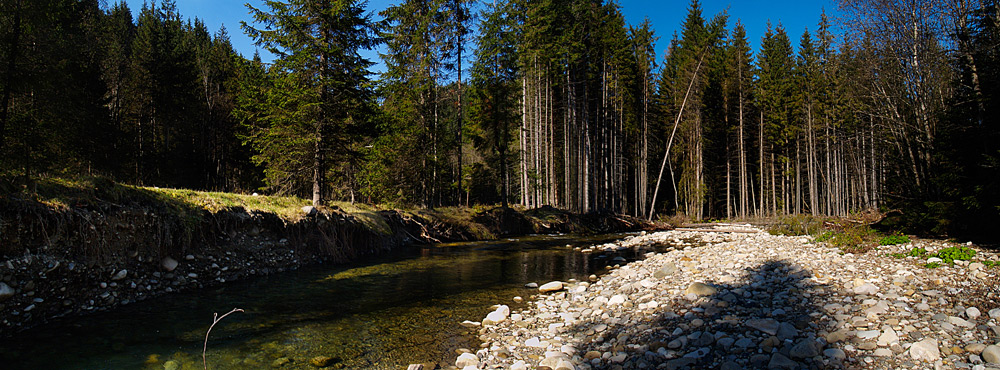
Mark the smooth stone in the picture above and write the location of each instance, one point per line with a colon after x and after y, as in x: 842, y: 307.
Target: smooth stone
x: 519, y: 365
x: 972, y: 313
x: 925, y: 350
x: 616, y: 300
x: 668, y: 269
x: 120, y: 275
x: 6, y: 291
x: 883, y: 352
x: 867, y: 289
x: 958, y: 321
x: 995, y: 313
x: 991, y: 354
x: 168, y: 264
x: 466, y: 359
x: 837, y: 336
x: 552, y: 286
x: 730, y: 365
x: 590, y: 355
x: 470, y: 324
x: 868, y: 334
x: 779, y: 361
x: 701, y: 289
x: 531, y: 285
x: 835, y: 354
x: 769, y: 326
x: 976, y: 348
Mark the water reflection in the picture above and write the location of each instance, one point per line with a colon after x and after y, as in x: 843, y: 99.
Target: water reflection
x: 382, y: 314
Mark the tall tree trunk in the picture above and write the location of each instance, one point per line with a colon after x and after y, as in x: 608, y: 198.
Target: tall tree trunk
x: 13, y: 48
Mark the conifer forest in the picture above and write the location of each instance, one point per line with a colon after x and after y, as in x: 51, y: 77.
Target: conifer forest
x: 519, y: 102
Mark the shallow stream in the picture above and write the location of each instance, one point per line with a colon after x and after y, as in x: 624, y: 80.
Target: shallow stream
x: 379, y: 314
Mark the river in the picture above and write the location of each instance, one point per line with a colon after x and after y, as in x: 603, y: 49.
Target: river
x: 377, y: 314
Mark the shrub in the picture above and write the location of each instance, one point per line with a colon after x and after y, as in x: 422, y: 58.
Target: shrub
x: 918, y: 252
x: 894, y: 239
x: 796, y: 225
x: 950, y: 254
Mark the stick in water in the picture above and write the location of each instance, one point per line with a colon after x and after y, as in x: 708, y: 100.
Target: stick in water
x: 215, y: 320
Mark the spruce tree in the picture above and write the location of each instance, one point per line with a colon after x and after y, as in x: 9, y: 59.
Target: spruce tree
x: 321, y: 85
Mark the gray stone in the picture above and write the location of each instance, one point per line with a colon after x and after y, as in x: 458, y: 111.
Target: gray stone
x: 958, y: 321
x: 778, y: 361
x: 759, y: 361
x: 120, y: 275
x: 769, y: 326
x: 726, y: 343
x: 991, y: 354
x: 668, y: 269
x: 835, y: 354
x: 745, y: 343
x: 6, y: 292
x: 552, y: 286
x: 787, y: 331
x: 805, y: 348
x: 995, y: 313
x: 925, y: 350
x: 168, y: 264
x: 680, y: 363
x: 701, y: 289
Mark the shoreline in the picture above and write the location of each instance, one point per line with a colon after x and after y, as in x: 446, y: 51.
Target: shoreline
x: 132, y: 253
x: 755, y: 300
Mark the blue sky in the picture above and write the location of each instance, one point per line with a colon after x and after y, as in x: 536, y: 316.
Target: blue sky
x: 666, y: 17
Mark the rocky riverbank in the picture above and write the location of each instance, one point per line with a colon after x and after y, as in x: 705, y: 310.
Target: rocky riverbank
x: 100, y: 253
x: 745, y: 299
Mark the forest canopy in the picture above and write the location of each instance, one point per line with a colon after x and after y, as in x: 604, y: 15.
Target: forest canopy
x: 525, y: 102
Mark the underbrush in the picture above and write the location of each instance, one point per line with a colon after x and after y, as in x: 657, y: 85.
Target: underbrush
x: 849, y: 234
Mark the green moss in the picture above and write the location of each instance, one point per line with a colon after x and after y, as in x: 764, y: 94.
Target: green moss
x: 932, y: 265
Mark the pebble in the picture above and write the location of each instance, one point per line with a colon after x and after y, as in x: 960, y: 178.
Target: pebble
x: 750, y: 300
x: 991, y: 354
x: 552, y: 286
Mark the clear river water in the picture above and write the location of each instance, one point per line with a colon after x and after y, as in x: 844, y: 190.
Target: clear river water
x: 381, y: 313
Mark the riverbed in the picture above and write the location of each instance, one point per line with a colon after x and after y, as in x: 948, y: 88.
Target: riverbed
x: 383, y: 313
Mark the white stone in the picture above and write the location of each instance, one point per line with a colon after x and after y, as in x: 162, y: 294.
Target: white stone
x: 470, y: 324
x: 867, y: 288
x: 533, y: 342
x: 518, y: 365
x: 835, y: 354
x: 888, y: 337
x: 466, y: 359
x: 925, y: 350
x: 973, y: 313
x: 552, y: 286
x: 616, y: 300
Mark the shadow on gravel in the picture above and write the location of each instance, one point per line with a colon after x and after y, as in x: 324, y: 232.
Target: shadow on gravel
x: 759, y: 320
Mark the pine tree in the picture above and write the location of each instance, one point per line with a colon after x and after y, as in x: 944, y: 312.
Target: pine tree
x: 321, y: 85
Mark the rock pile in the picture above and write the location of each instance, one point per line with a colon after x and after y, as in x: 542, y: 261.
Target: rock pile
x: 754, y: 300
